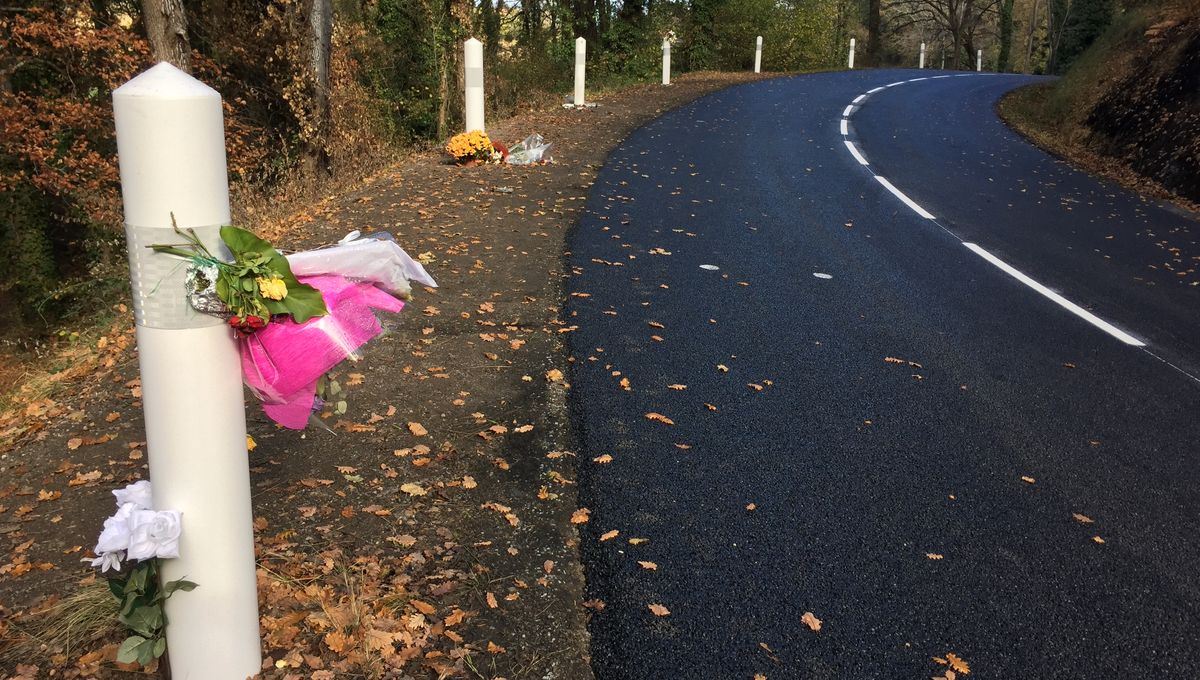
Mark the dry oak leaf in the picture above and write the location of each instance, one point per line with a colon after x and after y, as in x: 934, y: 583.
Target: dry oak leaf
x: 580, y: 516
x: 759, y: 676
x: 609, y: 535
x: 810, y: 620
x: 934, y: 556
x: 554, y: 375
x: 1098, y: 540
x: 339, y: 642
x: 603, y: 460
x: 468, y: 482
x: 417, y: 429
x: 957, y: 663
x: 491, y: 600
x: 1082, y: 518
x: 660, y: 418
x: 413, y: 489
x: 423, y: 607
x: 638, y: 541
x: 494, y: 648
x: 677, y: 386
x: 751, y: 507
x: 658, y: 609
x: 648, y: 565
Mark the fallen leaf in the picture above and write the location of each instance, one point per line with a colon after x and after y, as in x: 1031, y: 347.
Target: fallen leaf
x: 491, y: 600
x: 1098, y: 540
x: 469, y: 482
x: 417, y: 429
x: 660, y: 418
x: 580, y: 516
x: 413, y: 489
x: 554, y: 375
x: 677, y: 386
x: 1028, y: 480
x: 934, y: 556
x: 638, y: 541
x: 658, y: 609
x: 423, y: 607
x: 609, y: 535
x: 810, y: 620
x: 957, y: 663
x: 1082, y: 518
x: 648, y: 565
x: 750, y: 507
x: 603, y: 460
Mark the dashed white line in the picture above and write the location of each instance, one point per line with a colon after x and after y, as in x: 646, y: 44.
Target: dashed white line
x: 1075, y: 309
x: 900, y: 195
x: 1058, y: 299
x: 854, y: 152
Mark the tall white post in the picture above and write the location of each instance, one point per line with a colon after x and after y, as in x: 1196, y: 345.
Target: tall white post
x: 580, y: 69
x: 473, y: 62
x: 851, y: 61
x: 758, y: 55
x: 922, y: 55
x: 979, y: 60
x: 171, y: 151
x: 666, y: 47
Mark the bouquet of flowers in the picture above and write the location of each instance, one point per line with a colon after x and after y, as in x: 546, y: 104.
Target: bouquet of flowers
x: 300, y: 316
x: 471, y: 146
x: 140, y: 535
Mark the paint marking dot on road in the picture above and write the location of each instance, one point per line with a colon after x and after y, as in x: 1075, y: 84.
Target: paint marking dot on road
x: 710, y: 267
x: 822, y: 275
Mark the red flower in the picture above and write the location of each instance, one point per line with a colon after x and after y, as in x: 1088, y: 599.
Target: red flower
x: 246, y: 325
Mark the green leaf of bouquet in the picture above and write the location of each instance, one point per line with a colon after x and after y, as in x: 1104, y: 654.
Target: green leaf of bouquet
x: 128, y: 651
x: 160, y: 646
x: 179, y: 584
x: 146, y: 620
x: 303, y: 302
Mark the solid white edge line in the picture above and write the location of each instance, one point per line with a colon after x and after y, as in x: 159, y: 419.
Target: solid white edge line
x: 898, y: 82
x: 917, y: 80
x: 937, y: 77
x: 859, y: 98
x: 900, y: 195
x: 1060, y: 300
x: 854, y: 152
x: 849, y: 109
x: 844, y: 130
x: 878, y: 89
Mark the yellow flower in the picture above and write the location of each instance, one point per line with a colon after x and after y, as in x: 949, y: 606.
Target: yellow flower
x: 273, y: 288
x: 473, y: 144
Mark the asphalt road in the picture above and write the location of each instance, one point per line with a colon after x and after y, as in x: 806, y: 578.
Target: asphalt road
x: 889, y: 498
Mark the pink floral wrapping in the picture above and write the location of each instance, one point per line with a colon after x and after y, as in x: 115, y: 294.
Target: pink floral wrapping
x: 283, y: 361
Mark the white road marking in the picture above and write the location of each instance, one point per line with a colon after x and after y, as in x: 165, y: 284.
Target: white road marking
x: 900, y: 195
x: 898, y: 82
x: 854, y: 152
x: 1003, y: 266
x: 1058, y: 299
x: 822, y: 275
x: 710, y: 267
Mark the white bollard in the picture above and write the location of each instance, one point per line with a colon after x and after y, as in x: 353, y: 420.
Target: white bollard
x: 666, y: 47
x: 758, y: 55
x: 922, y: 55
x: 171, y: 151
x: 473, y: 90
x: 979, y: 60
x: 580, y: 68
x: 851, y: 61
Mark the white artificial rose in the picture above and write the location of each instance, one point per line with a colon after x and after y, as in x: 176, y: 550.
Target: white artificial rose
x: 117, y: 530
x: 155, y: 534
x: 137, y: 493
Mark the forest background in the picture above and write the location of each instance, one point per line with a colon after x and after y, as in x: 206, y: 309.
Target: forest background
x: 321, y: 92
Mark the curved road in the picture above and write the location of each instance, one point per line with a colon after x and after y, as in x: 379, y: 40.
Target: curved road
x: 1017, y: 486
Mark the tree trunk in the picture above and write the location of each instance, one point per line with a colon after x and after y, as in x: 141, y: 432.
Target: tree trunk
x: 320, y: 35
x: 873, y: 32
x: 1006, y: 33
x: 166, y: 30
x: 1033, y: 22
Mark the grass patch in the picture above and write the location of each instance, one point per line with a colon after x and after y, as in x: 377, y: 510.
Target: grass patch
x: 70, y: 627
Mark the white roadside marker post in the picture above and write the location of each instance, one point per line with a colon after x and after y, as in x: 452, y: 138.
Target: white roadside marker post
x: 758, y: 55
x: 851, y: 61
x: 580, y: 69
x: 666, y: 48
x: 171, y: 152
x: 979, y: 60
x: 922, y: 55
x: 473, y: 90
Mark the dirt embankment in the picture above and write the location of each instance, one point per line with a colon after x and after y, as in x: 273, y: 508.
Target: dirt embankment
x: 1130, y: 107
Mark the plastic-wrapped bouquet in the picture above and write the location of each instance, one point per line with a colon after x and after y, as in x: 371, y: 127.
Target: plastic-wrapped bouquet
x: 299, y: 317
